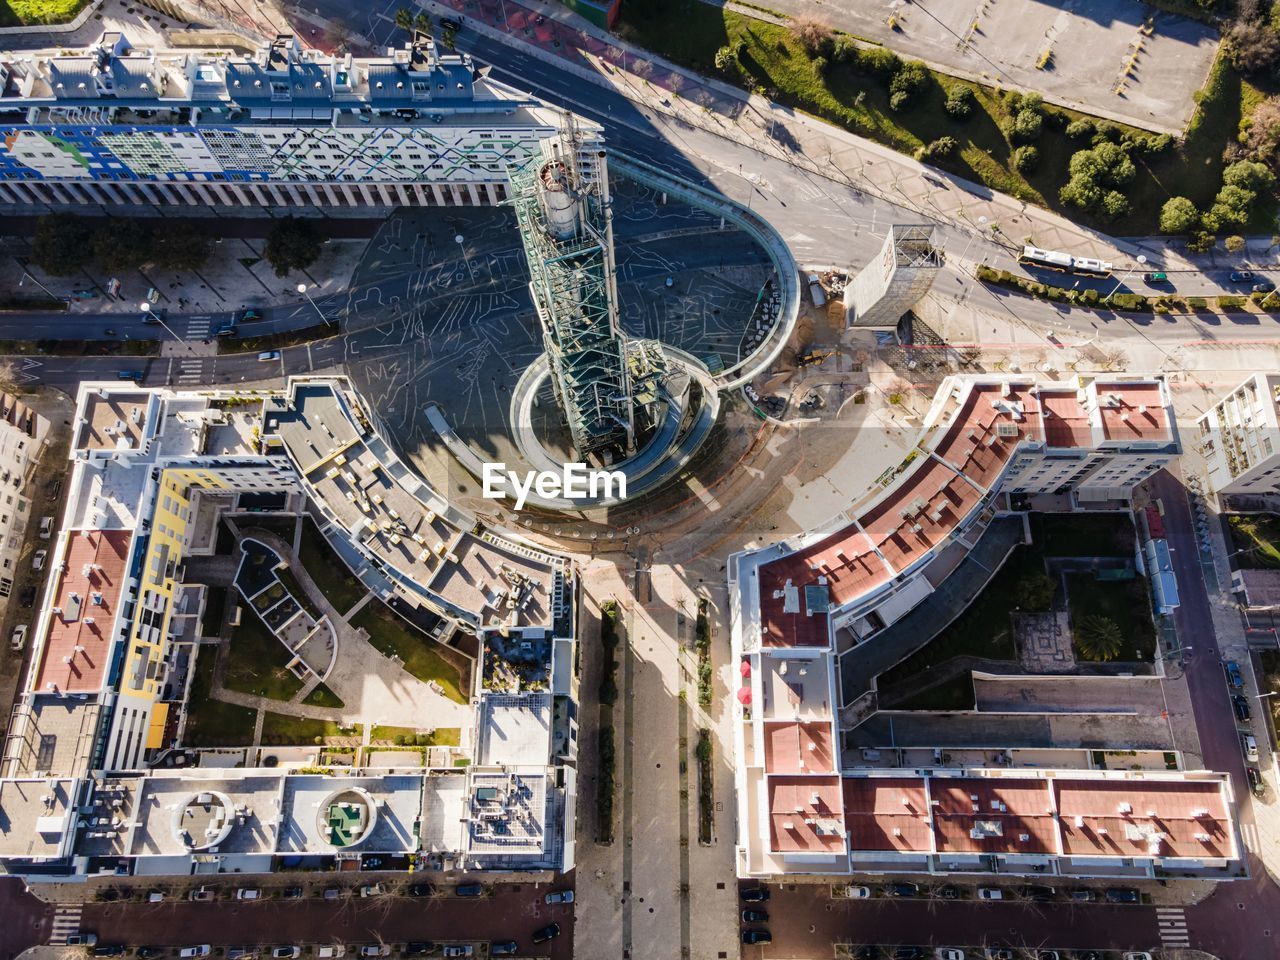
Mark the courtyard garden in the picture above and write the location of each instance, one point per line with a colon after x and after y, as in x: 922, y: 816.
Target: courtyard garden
x: 330, y: 574
x: 1255, y: 540
x: 390, y: 634
x: 256, y: 662
x: 210, y: 722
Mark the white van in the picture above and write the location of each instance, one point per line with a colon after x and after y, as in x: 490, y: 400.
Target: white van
x: 268, y: 355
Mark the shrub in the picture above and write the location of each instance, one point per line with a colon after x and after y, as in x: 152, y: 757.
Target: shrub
x: 1234, y: 243
x: 1026, y: 159
x: 907, y: 84
x: 816, y: 37
x: 1025, y: 126
x: 937, y: 149
x: 1115, y: 204
x: 845, y: 50
x: 1178, y: 215
x: 1231, y: 303
x: 1201, y: 241
x: 1080, y: 129
x: 879, y: 61
x: 1098, y: 638
x: 960, y: 102
x: 1248, y: 175
x: 1251, y: 45
x: 1090, y: 297
x: 1197, y: 303
x: 727, y: 61
x: 1034, y: 592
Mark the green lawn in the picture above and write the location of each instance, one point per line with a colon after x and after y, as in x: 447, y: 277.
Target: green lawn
x: 443, y: 737
x: 212, y: 723
x: 280, y: 729
x: 295, y: 588
x: 331, y: 575
x: 322, y: 696
x: 1257, y: 537
x: 983, y: 630
x: 257, y: 662
x: 1083, y: 534
x: 1122, y: 601
x: 15, y: 13
x: 777, y: 65
x: 392, y: 635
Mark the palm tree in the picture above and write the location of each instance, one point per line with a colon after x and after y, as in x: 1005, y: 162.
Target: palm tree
x: 422, y: 23
x: 404, y: 20
x: 1098, y: 637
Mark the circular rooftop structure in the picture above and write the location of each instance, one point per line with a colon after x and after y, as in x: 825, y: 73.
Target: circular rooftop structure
x: 346, y: 817
x: 203, y: 819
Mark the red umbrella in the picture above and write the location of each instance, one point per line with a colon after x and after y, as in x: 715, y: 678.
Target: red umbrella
x: 744, y: 695
x: 746, y: 668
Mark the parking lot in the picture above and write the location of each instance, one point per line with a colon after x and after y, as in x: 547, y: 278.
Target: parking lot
x: 393, y: 918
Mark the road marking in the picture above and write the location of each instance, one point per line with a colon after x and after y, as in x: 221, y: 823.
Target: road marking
x: 1249, y: 834
x: 1172, y: 922
x: 66, y: 921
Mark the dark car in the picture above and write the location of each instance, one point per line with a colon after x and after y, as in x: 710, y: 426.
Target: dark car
x: 248, y: 316
x: 1255, y: 781
x: 151, y: 953
x: 1038, y: 893
x: 1083, y: 895
x: 228, y: 329
x: 549, y: 932
x: 1263, y: 286
x: 902, y: 890
x: 155, y: 316
x: 1241, y: 276
x: 1122, y: 895
x: 1234, y: 676
x: 108, y: 950
x: 755, y: 895
x: 757, y: 936
x: 755, y: 916
x: 1241, y: 707
x: 420, y: 948
x: 421, y: 889
x: 291, y: 893
x: 947, y: 892
x: 504, y: 948
x: 908, y: 953
x: 468, y: 890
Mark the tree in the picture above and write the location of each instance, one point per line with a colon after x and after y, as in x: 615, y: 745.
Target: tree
x: 1025, y: 159
x: 1234, y: 244
x: 181, y: 247
x: 1034, y: 592
x: 122, y: 244
x: 1026, y: 126
x: 61, y: 246
x: 404, y: 20
x: 1252, y: 45
x: 879, y: 61
x: 1178, y: 215
x: 448, y: 34
x: 1263, y: 136
x: 1098, y: 637
x: 906, y: 84
x: 845, y: 50
x: 292, y: 244
x: 1115, y: 204
x: 1080, y: 129
x: 1249, y: 175
x: 422, y: 23
x: 727, y: 61
x: 1096, y: 176
x: 815, y: 36
x: 959, y: 103
x: 1230, y: 208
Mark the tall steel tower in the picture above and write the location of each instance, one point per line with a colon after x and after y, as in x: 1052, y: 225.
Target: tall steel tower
x: 563, y: 208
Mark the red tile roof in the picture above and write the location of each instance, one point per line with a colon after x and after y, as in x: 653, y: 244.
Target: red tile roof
x: 798, y: 748
x: 805, y: 815
x: 887, y: 813
x: 1165, y: 819
x: 95, y: 565
x: 1007, y: 816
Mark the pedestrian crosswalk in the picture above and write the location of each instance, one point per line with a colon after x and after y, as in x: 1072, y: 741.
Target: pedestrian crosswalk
x: 197, y: 328
x: 66, y: 921
x: 1249, y: 834
x: 1173, y: 926
x: 194, y: 370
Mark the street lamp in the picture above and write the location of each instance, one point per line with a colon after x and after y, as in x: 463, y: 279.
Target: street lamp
x: 145, y: 307
x: 462, y: 252
x: 302, y: 289
x: 1119, y: 283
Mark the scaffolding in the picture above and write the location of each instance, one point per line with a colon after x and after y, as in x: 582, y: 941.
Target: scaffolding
x: 562, y: 205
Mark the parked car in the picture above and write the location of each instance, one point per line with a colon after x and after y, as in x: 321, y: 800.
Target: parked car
x: 241, y: 953
x: 155, y: 896
x: 908, y: 953
x: 468, y: 890
x: 375, y: 950
x: 331, y: 893
x: 1241, y: 276
x: 752, y: 936
x: 815, y: 290
x: 1241, y: 706
x: 285, y: 952
x: 263, y: 357
x: 19, y: 638
x: 1083, y: 895
x: 947, y: 892
x: 559, y: 896
x: 504, y: 948
x: 1047, y: 955
x: 331, y: 951
x: 1249, y: 744
x: 108, y: 950
x: 291, y: 893
x: 902, y: 890
x: 151, y: 953
x: 1156, y: 276
x: 248, y: 316
x: 755, y: 916
x: 1263, y: 286
x: 858, y: 893
x: 948, y: 953
x: 198, y: 950
x: 372, y: 890
x: 420, y: 890
x: 248, y: 893
x: 419, y: 948
x: 202, y: 894
x: 1234, y: 676
x: 82, y: 939
x: 1038, y: 893
x: 37, y: 562
x: 1136, y: 955
x: 999, y: 953
x: 1255, y: 781
x: 755, y: 894
x: 46, y: 527
x: 549, y: 932
x: 990, y: 893
x: 459, y: 950
x: 1122, y: 895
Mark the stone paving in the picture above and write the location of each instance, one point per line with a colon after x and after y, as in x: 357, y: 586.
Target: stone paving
x: 1044, y: 642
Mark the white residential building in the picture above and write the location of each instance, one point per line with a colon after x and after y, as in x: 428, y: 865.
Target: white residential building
x: 1240, y: 438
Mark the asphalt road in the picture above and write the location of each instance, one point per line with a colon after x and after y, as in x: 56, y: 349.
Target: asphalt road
x: 508, y: 912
